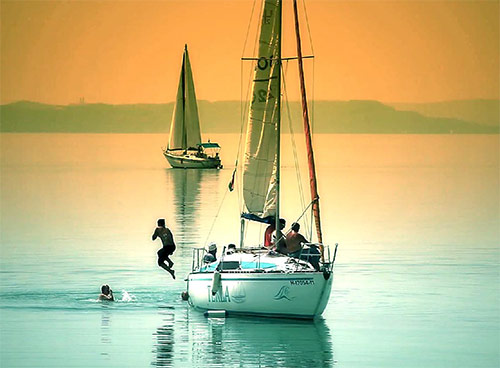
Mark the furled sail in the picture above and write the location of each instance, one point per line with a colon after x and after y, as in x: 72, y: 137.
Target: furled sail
x: 185, y: 127
x: 259, y: 173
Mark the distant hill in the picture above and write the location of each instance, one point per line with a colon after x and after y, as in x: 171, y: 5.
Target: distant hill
x: 370, y: 117
x: 484, y: 112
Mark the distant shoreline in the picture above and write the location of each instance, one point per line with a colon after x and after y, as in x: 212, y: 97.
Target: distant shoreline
x: 330, y: 117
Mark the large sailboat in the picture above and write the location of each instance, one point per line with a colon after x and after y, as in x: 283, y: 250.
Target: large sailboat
x: 185, y: 148
x: 256, y: 280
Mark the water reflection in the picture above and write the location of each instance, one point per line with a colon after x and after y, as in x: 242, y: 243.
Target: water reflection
x: 105, y: 331
x: 187, y: 186
x: 247, y: 342
x: 164, y: 347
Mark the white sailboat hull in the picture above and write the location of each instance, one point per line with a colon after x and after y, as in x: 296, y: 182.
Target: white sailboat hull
x: 191, y: 161
x: 290, y: 295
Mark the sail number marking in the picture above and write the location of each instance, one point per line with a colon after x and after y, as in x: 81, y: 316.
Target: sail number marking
x: 301, y: 282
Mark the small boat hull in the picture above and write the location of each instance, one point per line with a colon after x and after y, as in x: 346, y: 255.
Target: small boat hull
x: 301, y: 295
x: 191, y: 161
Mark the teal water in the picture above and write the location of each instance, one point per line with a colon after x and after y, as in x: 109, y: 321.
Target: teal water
x: 416, y: 281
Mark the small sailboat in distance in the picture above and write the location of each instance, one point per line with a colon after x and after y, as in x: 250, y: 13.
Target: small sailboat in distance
x: 185, y: 148
x: 256, y: 280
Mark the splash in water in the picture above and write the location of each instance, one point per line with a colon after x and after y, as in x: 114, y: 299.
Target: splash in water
x: 126, y: 297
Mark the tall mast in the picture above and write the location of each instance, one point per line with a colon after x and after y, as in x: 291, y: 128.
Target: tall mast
x: 184, y: 137
x: 307, y: 131
x: 278, y: 125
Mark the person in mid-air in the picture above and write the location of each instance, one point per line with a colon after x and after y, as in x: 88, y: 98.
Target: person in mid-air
x: 106, y: 293
x: 168, y: 249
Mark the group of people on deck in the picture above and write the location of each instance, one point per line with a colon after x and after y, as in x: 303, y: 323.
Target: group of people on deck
x: 292, y: 243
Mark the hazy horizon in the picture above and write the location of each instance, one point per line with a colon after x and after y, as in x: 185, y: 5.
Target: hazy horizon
x: 86, y: 102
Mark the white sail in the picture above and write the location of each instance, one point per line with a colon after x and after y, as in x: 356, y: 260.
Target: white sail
x: 177, y: 133
x: 185, y: 127
x: 259, y: 182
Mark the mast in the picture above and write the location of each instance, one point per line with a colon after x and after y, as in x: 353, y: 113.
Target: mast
x: 278, y: 124
x: 307, y: 131
x: 184, y: 137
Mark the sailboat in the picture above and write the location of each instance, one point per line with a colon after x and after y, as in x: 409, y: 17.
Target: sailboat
x: 185, y: 148
x: 255, y: 280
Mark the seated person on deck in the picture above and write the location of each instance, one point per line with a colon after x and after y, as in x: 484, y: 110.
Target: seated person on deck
x: 211, y: 255
x: 270, y: 233
x: 231, y: 248
x: 294, y: 243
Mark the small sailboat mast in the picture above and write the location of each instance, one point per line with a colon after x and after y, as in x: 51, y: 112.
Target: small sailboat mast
x: 307, y: 131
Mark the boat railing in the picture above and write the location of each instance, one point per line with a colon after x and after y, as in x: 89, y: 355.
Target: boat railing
x: 328, y: 261
x: 197, y: 261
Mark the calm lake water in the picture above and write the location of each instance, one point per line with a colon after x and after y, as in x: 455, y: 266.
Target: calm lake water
x: 416, y: 282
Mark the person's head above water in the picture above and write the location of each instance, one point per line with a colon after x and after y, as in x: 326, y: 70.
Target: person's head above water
x: 295, y: 227
x: 161, y: 222
x: 105, y: 289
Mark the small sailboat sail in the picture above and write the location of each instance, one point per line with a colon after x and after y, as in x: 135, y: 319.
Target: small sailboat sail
x: 185, y: 148
x: 185, y: 128
x: 256, y: 281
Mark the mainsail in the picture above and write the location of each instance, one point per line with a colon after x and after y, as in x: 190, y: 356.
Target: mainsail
x: 259, y: 174
x: 185, y: 127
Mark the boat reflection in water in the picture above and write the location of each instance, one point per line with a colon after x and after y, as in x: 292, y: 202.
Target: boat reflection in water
x: 105, y: 330
x: 164, y: 346
x: 190, y: 188
x: 193, y: 194
x: 243, y: 342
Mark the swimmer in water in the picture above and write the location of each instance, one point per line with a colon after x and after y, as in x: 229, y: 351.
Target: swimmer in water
x: 106, y: 293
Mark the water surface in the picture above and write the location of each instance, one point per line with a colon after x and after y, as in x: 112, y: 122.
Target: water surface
x: 416, y: 281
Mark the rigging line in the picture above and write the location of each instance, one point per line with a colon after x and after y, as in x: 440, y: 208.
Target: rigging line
x: 305, y: 210
x: 312, y: 103
x: 308, y: 28
x: 294, y: 145
x: 248, y: 28
x: 216, y: 216
x: 297, y: 220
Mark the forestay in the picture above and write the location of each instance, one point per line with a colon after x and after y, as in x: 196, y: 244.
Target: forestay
x: 259, y: 175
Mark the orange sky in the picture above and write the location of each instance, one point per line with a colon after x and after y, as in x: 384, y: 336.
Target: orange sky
x: 130, y: 51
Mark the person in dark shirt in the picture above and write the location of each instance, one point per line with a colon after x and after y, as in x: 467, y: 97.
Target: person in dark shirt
x: 211, y: 255
x: 168, y: 249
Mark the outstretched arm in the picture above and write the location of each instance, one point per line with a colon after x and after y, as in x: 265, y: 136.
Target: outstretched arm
x: 155, y: 234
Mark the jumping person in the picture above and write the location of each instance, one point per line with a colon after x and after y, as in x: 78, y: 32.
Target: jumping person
x: 168, y: 249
